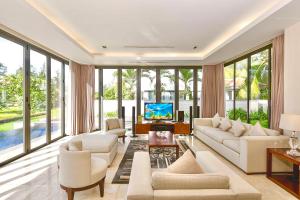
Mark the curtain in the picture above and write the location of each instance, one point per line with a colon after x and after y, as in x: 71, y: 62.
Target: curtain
x: 82, y: 98
x: 277, y: 90
x: 213, y: 90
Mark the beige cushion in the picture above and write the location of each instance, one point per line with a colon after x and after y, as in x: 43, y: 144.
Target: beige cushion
x: 216, y: 120
x: 257, y: 130
x: 186, y: 164
x: 75, y: 146
x: 113, y: 123
x: 99, y: 143
x: 232, y: 144
x: 238, y: 128
x: 225, y: 124
x: 118, y: 131
x: 217, y: 134
x: 272, y: 132
x: 98, y: 169
x: 167, y: 181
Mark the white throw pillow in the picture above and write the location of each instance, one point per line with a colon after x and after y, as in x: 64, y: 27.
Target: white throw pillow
x: 225, y: 124
x: 238, y: 128
x: 216, y: 120
x: 75, y: 146
x: 186, y: 164
x: 257, y: 130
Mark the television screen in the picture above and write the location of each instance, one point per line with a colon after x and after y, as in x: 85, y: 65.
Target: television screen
x: 158, y: 111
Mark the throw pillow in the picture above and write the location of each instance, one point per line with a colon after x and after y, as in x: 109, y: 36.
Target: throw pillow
x: 75, y: 146
x: 257, y: 130
x: 225, y: 124
x: 186, y: 164
x: 216, y: 120
x: 238, y: 128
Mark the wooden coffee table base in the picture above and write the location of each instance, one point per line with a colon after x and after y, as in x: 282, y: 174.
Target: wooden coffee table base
x: 161, y: 142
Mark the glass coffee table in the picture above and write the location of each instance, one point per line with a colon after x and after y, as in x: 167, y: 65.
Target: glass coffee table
x: 165, y: 139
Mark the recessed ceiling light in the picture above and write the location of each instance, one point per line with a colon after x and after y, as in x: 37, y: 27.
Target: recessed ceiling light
x: 104, y: 46
x: 195, y: 47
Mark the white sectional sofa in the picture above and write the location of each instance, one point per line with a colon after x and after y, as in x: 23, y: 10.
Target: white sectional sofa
x: 218, y: 182
x: 246, y: 152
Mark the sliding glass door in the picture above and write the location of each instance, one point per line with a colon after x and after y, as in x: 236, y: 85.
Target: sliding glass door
x: 38, y: 98
x: 11, y: 99
x: 186, y: 89
x: 148, y: 87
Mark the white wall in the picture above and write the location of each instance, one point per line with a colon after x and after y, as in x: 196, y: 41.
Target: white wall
x: 292, y: 69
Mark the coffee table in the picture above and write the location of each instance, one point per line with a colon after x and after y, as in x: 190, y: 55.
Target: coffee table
x: 167, y: 140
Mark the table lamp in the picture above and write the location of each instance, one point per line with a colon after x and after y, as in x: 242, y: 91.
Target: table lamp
x: 291, y: 122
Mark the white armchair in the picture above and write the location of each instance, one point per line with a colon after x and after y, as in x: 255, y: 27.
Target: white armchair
x: 115, y: 126
x: 79, y: 171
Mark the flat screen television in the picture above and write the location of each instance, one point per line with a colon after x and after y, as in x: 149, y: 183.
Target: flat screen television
x: 158, y: 111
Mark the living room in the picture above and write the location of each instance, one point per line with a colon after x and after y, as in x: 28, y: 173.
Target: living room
x: 149, y: 100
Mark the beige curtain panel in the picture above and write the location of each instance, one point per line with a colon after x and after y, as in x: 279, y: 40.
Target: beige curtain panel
x: 277, y: 78
x: 82, y: 98
x: 213, y: 90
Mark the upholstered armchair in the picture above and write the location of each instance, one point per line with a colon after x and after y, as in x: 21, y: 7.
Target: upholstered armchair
x: 79, y: 171
x: 115, y: 126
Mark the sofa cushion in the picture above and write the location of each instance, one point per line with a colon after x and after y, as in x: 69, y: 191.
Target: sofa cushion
x: 217, y: 134
x: 216, y: 120
x: 118, y: 131
x: 98, y: 169
x: 238, y: 128
x: 168, y: 181
x: 225, y: 124
x: 99, y: 143
x: 75, y: 145
x: 271, y: 132
x: 257, y: 130
x: 232, y: 144
x: 186, y: 164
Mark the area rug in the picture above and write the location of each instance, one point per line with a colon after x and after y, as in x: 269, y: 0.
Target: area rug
x: 160, y: 158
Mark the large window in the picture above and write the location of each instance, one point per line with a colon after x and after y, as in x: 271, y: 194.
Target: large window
x: 26, y: 102
x: 199, y: 90
x: 186, y: 91
x: 247, y: 80
x: 110, y: 93
x: 148, y: 84
x: 11, y: 99
x: 128, y: 94
x: 97, y: 100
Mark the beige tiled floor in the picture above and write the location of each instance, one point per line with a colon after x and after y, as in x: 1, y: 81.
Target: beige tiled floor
x: 35, y: 177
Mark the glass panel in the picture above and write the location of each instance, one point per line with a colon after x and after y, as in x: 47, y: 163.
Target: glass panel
x: 241, y: 90
x: 199, y: 89
x: 11, y: 99
x: 96, y: 100
x: 148, y: 83
x: 229, y: 90
x: 110, y: 93
x: 38, y: 100
x: 128, y: 94
x: 167, y: 78
x: 259, y: 84
x: 185, y: 91
x: 55, y: 99
x: 67, y: 100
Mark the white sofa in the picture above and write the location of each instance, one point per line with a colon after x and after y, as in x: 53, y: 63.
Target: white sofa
x: 104, y: 146
x: 218, y: 182
x: 246, y: 152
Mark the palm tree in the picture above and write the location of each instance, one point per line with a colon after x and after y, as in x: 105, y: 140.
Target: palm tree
x: 128, y: 83
x: 186, y: 76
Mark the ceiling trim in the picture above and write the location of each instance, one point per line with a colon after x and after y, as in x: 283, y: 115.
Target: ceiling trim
x: 227, y: 37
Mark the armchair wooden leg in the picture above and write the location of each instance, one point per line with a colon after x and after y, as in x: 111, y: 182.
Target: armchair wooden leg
x: 101, y: 187
x: 70, y: 193
x: 124, y: 139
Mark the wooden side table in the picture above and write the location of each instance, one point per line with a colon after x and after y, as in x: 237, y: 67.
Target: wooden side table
x: 287, y: 180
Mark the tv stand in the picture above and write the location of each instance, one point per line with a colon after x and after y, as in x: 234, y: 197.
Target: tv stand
x: 174, y: 127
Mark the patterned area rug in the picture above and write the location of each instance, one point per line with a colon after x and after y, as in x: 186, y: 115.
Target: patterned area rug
x: 160, y: 158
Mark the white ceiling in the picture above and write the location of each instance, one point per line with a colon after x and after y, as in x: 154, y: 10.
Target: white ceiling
x: 149, y: 32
